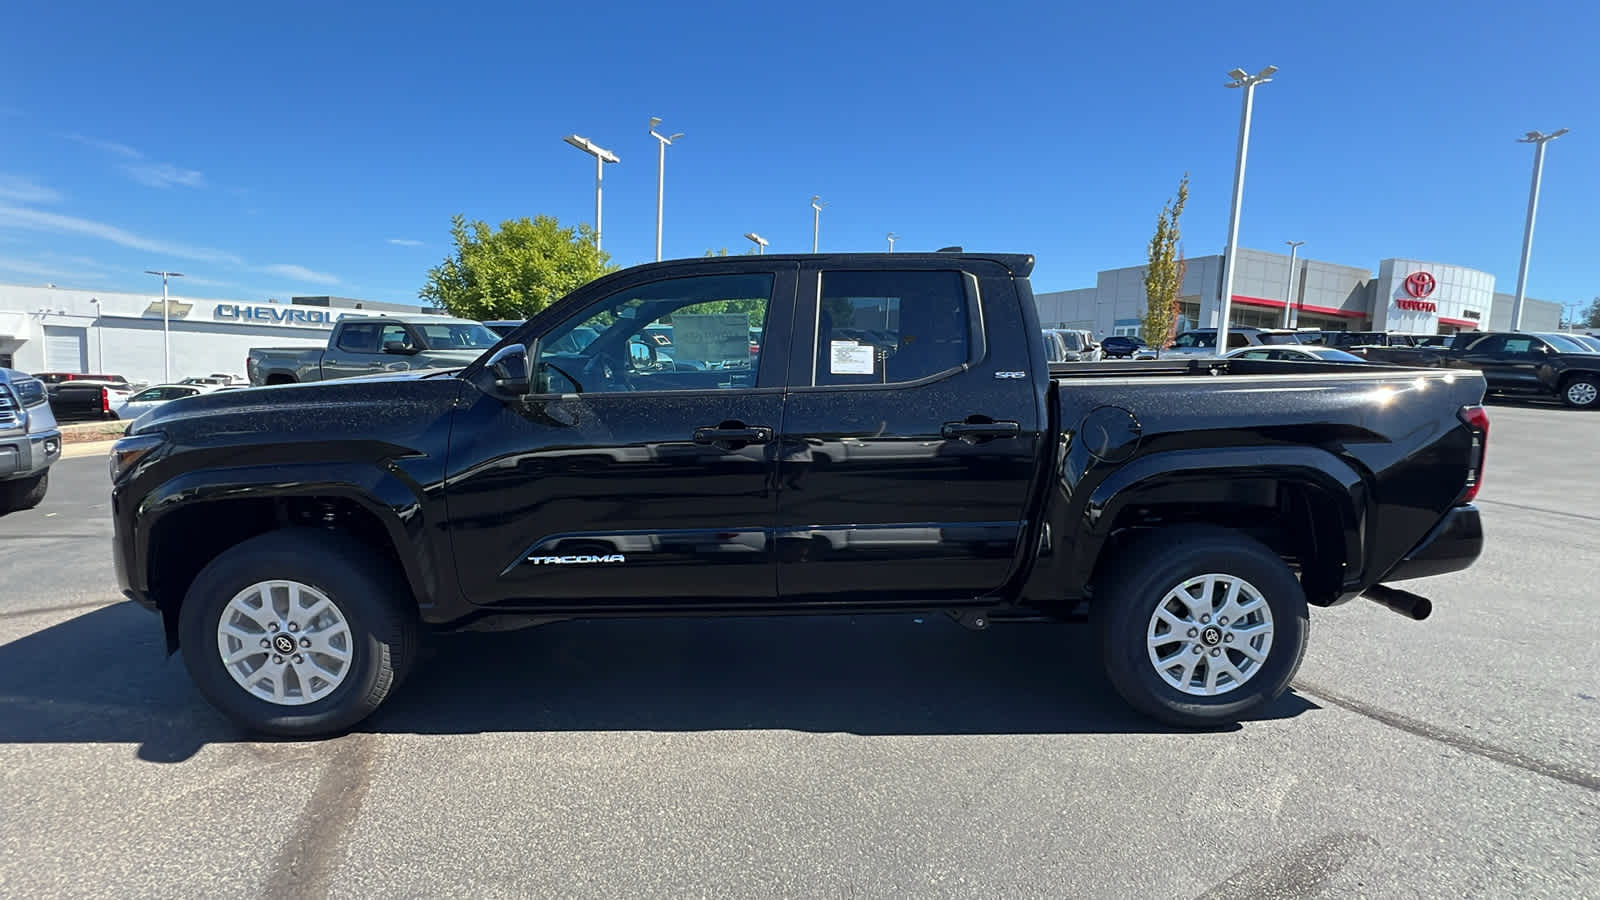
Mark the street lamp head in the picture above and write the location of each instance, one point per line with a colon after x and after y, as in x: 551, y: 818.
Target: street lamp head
x: 654, y: 121
x: 816, y: 202
x: 1238, y: 74
x: 164, y: 274
x: 591, y: 148
x: 758, y: 239
x: 1295, y: 243
x: 1267, y: 72
x: 1535, y: 137
x: 1241, y: 78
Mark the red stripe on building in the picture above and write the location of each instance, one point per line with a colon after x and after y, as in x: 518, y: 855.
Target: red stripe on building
x: 1459, y: 323
x: 1304, y: 307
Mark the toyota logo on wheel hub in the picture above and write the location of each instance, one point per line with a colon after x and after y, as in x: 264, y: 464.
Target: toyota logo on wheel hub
x: 1420, y: 284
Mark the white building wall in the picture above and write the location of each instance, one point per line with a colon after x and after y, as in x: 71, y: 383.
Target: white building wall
x: 122, y: 332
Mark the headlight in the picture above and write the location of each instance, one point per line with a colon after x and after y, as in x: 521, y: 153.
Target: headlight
x: 127, y: 451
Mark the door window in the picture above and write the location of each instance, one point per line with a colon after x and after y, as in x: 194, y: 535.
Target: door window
x: 1493, y: 343
x: 1259, y: 354
x: 887, y: 327
x: 1519, y: 346
x: 679, y: 334
x: 393, y: 333
x: 1236, y: 340
x: 360, y: 337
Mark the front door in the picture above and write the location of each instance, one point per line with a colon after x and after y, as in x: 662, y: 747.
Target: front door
x: 630, y: 477
x: 908, y: 445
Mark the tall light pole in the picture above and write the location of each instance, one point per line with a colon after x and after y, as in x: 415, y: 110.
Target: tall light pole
x: 892, y: 238
x: 661, y: 176
x: 99, y: 337
x: 1538, y: 141
x: 816, y: 219
x: 1291, y: 315
x: 601, y: 157
x: 1241, y: 79
x: 166, y: 325
x: 758, y: 240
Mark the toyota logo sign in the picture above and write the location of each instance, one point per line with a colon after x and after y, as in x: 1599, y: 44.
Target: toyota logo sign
x: 1420, y: 284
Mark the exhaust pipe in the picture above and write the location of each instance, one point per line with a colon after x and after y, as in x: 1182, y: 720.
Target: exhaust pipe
x: 1403, y: 602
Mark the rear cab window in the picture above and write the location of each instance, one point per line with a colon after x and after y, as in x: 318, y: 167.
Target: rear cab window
x: 891, y: 327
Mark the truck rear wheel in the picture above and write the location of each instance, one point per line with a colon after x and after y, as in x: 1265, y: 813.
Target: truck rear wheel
x: 297, y: 633
x: 1200, y: 625
x: 1582, y: 392
x: 24, y: 493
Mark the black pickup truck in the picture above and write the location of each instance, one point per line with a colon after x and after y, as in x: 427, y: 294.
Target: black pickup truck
x: 1536, y: 364
x: 895, y: 443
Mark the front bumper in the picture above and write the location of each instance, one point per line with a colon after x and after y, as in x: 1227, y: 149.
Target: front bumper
x: 22, y: 455
x: 1454, y: 544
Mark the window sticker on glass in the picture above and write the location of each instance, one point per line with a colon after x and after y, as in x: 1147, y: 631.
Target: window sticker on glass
x: 712, y: 337
x: 850, y: 358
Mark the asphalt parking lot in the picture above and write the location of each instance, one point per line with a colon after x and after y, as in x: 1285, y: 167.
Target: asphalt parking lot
x: 832, y: 757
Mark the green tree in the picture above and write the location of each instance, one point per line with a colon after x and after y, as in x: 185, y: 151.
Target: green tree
x: 1163, y: 277
x: 1591, y: 317
x: 513, y: 271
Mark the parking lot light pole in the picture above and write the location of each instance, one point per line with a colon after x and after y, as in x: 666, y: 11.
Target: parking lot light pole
x: 1291, y: 315
x: 1538, y: 141
x: 892, y: 238
x: 758, y: 240
x: 1241, y: 79
x: 661, y: 175
x: 816, y: 219
x: 601, y: 157
x: 166, y: 325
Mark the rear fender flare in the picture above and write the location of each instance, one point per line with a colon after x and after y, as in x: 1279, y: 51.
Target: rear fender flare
x: 1176, y: 476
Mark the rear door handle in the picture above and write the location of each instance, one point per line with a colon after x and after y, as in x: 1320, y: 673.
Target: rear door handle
x: 720, y: 434
x: 979, y: 430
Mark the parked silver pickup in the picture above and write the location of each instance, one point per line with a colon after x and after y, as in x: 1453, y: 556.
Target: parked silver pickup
x: 30, y: 442
x: 371, y: 345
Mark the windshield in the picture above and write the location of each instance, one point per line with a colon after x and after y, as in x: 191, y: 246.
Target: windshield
x: 1196, y: 339
x: 1072, y: 341
x: 1334, y: 354
x: 1588, y: 340
x: 1565, y: 343
x: 1278, y: 338
x: 457, y: 336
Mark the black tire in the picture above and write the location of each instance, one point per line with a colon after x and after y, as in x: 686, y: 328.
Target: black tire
x: 24, y: 493
x: 374, y: 601
x: 1576, y: 384
x: 1126, y: 597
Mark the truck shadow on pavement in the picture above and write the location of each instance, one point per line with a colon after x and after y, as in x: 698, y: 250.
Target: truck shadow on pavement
x: 103, y: 677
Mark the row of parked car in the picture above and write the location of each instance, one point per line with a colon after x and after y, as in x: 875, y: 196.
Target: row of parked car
x: 81, y: 397
x: 1563, y: 365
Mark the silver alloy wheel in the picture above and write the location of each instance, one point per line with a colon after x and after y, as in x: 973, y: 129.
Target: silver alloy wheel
x: 1582, y: 393
x: 285, y: 642
x: 1210, y: 634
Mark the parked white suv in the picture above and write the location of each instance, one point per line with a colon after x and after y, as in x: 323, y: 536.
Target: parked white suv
x: 1202, y: 342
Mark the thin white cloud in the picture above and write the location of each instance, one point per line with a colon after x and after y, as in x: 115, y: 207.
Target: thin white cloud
x: 39, y: 220
x: 39, y: 270
x: 25, y: 219
x: 164, y: 175
x: 405, y: 242
x: 299, y: 273
x: 107, y: 146
x: 21, y: 189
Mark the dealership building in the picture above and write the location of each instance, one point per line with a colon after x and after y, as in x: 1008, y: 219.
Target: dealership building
x: 48, y: 329
x: 1406, y: 295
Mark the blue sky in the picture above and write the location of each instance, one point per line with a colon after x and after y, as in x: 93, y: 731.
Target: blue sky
x: 290, y: 148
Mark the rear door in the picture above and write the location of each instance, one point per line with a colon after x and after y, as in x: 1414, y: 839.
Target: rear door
x: 908, y: 438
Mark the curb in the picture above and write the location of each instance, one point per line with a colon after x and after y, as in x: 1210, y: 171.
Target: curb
x: 81, y: 449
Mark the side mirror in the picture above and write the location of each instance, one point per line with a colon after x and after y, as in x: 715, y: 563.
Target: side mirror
x: 399, y: 348
x: 509, y: 367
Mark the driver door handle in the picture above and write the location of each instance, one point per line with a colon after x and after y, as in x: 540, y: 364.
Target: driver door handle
x: 979, y: 430
x: 758, y: 434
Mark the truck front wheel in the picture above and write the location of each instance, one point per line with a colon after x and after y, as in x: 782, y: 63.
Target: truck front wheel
x: 24, y: 493
x: 1200, y: 625
x: 297, y: 633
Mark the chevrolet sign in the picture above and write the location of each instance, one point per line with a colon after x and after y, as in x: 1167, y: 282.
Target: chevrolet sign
x: 274, y: 315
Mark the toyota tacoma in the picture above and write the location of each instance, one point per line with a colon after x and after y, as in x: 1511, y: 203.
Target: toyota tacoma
x: 896, y: 442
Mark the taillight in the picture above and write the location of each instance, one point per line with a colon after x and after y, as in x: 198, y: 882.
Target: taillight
x: 1476, y: 418
x: 105, y: 400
